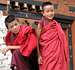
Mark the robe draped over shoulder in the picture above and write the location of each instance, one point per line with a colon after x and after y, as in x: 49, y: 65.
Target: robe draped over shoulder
x: 53, y: 46
x: 26, y: 39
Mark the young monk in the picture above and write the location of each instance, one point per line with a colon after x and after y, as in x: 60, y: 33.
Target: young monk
x: 21, y: 40
x: 53, y: 48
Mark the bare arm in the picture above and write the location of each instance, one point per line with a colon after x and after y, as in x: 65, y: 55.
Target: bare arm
x: 38, y: 37
x: 4, y: 50
x: 13, y: 47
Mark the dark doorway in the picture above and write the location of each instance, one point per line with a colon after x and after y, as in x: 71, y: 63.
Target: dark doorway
x: 66, y: 22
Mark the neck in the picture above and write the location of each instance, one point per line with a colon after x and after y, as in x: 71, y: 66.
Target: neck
x: 15, y: 34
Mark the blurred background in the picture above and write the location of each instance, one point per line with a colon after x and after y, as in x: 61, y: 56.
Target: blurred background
x: 29, y: 12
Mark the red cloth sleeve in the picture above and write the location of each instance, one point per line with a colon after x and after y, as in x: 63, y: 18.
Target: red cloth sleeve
x: 29, y: 45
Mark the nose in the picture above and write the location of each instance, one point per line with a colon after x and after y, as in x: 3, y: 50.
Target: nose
x: 14, y: 27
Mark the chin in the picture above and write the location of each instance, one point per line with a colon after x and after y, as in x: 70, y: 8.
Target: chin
x: 50, y: 18
x: 15, y: 32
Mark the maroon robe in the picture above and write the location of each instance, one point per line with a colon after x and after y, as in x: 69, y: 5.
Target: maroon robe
x: 26, y: 38
x: 53, y: 46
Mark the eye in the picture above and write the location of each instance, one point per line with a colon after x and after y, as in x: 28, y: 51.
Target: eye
x: 52, y: 10
x: 47, y: 11
x: 11, y: 26
x: 16, y: 24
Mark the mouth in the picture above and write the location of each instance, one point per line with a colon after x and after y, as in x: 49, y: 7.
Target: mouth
x: 50, y: 17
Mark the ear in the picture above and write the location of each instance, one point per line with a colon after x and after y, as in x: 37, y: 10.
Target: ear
x: 43, y: 14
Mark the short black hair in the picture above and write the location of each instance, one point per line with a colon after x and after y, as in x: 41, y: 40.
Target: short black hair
x: 45, y: 4
x: 9, y: 19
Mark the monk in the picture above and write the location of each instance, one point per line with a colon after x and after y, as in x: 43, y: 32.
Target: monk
x: 21, y: 40
x: 53, y: 48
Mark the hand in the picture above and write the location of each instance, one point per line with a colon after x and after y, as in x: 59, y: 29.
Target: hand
x: 4, y: 50
x: 39, y: 59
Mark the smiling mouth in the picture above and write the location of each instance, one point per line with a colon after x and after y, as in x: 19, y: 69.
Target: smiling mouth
x: 50, y: 16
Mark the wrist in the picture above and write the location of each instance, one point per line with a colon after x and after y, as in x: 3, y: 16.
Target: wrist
x: 8, y: 47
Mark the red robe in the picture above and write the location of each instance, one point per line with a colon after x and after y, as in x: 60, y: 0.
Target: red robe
x: 53, y: 47
x: 26, y: 39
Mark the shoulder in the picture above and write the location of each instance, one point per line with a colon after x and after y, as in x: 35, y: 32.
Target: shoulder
x: 57, y: 23
x: 59, y: 28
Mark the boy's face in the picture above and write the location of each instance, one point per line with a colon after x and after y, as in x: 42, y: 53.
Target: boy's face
x: 48, y: 11
x: 14, y: 27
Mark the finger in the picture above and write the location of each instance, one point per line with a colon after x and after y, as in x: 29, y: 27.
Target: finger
x: 4, y: 51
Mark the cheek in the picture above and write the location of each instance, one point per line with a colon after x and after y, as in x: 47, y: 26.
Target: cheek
x: 18, y: 27
x: 15, y: 28
x: 48, y: 13
x: 53, y: 13
x: 12, y: 30
x: 45, y: 13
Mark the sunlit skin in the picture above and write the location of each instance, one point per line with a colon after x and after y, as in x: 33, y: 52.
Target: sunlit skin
x: 48, y: 11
